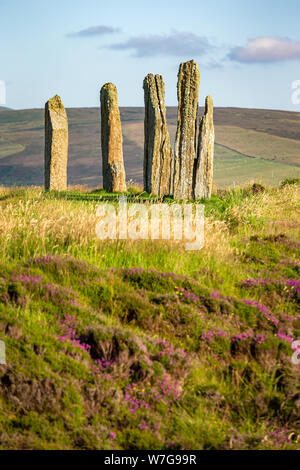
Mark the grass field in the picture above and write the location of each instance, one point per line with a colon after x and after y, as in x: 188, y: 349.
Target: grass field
x: 261, y: 145
x: 271, y: 136
x: 140, y: 344
x: 233, y: 168
x: 9, y: 148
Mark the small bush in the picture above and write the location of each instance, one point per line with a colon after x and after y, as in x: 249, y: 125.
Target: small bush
x: 290, y: 181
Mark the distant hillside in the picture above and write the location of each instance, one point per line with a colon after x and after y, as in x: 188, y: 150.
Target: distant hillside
x: 3, y: 108
x: 250, y: 144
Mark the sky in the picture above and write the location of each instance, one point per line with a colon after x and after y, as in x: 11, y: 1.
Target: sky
x: 248, y: 52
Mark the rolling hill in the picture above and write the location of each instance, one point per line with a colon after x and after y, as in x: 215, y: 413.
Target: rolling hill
x: 251, y: 144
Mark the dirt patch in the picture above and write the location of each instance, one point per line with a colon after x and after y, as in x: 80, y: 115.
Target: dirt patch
x: 29, y: 394
x: 15, y: 295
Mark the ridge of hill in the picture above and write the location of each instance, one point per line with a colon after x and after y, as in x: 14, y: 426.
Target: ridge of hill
x: 250, y: 144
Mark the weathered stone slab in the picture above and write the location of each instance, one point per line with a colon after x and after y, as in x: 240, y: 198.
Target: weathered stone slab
x: 185, y: 143
x: 158, y: 154
x: 203, y: 174
x: 111, y: 140
x: 56, y: 145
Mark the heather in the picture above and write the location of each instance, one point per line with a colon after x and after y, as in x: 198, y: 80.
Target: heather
x: 134, y: 345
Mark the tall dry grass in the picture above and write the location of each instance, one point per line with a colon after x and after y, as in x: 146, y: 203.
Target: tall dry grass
x: 33, y: 223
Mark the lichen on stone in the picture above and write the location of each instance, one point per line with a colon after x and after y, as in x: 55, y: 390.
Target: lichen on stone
x: 203, y: 172
x: 158, y: 154
x: 185, y: 142
x: 111, y: 140
x: 56, y: 145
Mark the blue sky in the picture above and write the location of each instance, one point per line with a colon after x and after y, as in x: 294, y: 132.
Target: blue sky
x: 248, y: 51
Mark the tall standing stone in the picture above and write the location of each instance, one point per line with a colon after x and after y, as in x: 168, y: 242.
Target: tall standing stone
x: 185, y: 143
x: 203, y: 174
x: 56, y: 145
x: 111, y: 140
x: 158, y: 154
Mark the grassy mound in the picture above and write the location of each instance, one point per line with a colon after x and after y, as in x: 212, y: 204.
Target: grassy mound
x: 134, y: 345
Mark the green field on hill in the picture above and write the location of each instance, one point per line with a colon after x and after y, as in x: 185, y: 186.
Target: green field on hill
x: 233, y: 168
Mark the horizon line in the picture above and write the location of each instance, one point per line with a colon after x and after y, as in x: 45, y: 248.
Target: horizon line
x: 6, y: 108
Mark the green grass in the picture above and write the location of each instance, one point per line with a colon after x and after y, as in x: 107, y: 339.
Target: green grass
x: 262, y: 145
x: 165, y: 323
x: 9, y: 148
x: 233, y: 168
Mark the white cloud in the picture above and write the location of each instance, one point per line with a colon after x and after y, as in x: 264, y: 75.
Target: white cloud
x: 174, y: 44
x: 266, y: 49
x: 94, y: 31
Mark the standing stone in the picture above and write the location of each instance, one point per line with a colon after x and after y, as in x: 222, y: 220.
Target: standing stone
x: 158, y: 154
x: 56, y: 145
x: 203, y: 174
x: 111, y: 140
x: 185, y: 143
